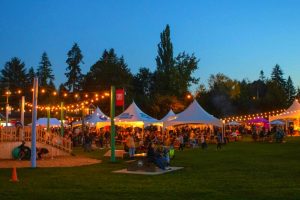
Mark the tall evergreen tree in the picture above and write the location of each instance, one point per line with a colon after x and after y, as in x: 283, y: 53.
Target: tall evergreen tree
x: 165, y: 63
x: 262, y: 76
x: 13, y: 75
x: 277, y: 76
x: 73, y: 74
x: 290, y: 90
x: 30, y: 76
x: 44, y: 71
x: 164, y: 59
x: 298, y: 93
x: 276, y: 95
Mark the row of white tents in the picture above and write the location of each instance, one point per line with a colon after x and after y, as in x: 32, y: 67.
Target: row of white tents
x: 193, y: 114
x: 134, y: 116
x: 292, y: 114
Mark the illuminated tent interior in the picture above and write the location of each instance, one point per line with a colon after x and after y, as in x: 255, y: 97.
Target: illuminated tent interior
x: 292, y: 113
x: 134, y: 116
x: 194, y: 114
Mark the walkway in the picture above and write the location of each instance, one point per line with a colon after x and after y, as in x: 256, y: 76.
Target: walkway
x: 64, y: 161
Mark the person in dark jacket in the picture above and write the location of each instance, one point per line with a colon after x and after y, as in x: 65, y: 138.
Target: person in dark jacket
x: 155, y: 156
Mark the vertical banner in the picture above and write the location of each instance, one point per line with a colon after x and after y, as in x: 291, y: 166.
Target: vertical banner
x: 120, y: 97
x: 33, y: 125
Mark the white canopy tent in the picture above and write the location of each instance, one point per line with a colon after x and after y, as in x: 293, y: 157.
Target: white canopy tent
x: 97, y: 117
x: 293, y: 112
x: 233, y: 123
x: 133, y: 116
x: 43, y: 122
x: 169, y: 116
x: 277, y: 122
x: 194, y: 114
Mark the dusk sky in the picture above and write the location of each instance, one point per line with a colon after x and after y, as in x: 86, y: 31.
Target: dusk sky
x: 238, y: 38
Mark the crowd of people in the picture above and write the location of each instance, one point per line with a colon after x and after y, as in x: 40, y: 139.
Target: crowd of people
x: 260, y: 133
x: 135, y: 140
x: 158, y: 144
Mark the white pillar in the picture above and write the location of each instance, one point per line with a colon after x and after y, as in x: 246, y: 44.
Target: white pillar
x: 34, y: 116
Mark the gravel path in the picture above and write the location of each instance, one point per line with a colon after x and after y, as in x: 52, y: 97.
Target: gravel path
x: 64, y: 161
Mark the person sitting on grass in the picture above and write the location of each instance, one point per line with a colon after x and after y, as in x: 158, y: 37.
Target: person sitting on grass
x: 155, y: 157
x: 166, y: 155
x: 22, y: 152
x: 41, y: 152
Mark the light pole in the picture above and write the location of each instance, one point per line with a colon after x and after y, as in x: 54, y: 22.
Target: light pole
x: 7, y: 93
x: 112, y: 123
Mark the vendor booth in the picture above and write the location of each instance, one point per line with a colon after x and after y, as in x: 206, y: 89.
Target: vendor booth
x: 292, y: 114
x: 134, y: 116
x: 194, y: 114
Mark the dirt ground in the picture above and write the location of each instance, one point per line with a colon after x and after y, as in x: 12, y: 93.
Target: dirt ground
x: 63, y: 161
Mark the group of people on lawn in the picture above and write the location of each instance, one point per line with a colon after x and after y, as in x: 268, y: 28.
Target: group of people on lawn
x: 25, y: 152
x: 161, y: 152
x: 159, y: 155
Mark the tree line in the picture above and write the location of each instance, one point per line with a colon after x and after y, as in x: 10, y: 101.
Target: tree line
x: 155, y: 92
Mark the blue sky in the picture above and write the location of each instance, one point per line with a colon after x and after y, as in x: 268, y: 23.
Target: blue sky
x: 235, y: 37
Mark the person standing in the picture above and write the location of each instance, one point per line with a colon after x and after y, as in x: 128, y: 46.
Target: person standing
x: 181, y: 142
x: 219, y: 140
x: 131, y: 146
x: 203, y: 142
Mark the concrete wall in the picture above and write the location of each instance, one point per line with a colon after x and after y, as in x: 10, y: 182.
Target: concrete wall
x: 7, y: 147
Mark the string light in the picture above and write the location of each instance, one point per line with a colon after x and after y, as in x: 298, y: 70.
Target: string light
x: 257, y: 115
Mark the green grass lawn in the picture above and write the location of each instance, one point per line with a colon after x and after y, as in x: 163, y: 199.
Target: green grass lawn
x: 242, y: 170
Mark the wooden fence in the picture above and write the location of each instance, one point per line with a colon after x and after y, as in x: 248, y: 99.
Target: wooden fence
x: 13, y: 134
